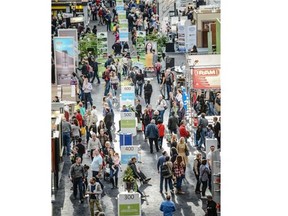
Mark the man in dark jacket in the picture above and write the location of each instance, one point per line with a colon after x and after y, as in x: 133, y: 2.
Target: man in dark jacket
x: 152, y: 133
x: 148, y: 92
x: 203, y: 123
x: 211, y: 207
x: 117, y: 48
x: 95, y: 69
x: 108, y: 122
x: 137, y: 173
x: 172, y: 123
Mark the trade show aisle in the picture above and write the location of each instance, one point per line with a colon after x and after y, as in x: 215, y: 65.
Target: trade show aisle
x: 188, y: 204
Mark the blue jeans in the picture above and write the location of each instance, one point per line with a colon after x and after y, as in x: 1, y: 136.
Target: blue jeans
x: 169, y: 89
x: 158, y: 76
x: 211, y: 110
x: 179, y: 182
x: 168, y: 181
x: 161, y: 182
x: 78, y: 182
x: 202, y: 139
x: 161, y: 113
x: 66, y: 142
x: 139, y: 90
x: 107, y: 87
x: 112, y: 173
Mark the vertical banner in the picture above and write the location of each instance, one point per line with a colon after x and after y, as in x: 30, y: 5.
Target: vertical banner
x: 181, y: 37
x: 191, y: 36
x: 64, y: 59
x: 149, y: 46
x: 129, y: 204
x: 71, y: 33
x: 119, y: 6
x: 128, y: 123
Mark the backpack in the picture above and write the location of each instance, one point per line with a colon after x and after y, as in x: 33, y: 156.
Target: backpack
x: 165, y: 171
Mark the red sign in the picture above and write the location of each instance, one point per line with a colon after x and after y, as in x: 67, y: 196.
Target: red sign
x: 206, y: 78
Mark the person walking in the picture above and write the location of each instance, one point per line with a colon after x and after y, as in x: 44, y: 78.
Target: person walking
x: 76, y: 176
x: 211, y: 209
x: 66, y: 135
x: 167, y: 206
x: 97, y: 166
x: 94, y: 191
x: 161, y: 129
x: 196, y: 170
x: 204, y: 176
x: 87, y: 88
x: 160, y: 162
x: 182, y: 148
x: 178, y: 170
x: 152, y: 133
x: 93, y: 144
x: 148, y: 89
x: 168, y: 175
x: 203, y: 123
x: 161, y: 106
x: 172, y: 123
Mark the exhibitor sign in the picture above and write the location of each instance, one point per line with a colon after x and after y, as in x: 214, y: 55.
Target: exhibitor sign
x: 206, y: 78
x: 129, y: 204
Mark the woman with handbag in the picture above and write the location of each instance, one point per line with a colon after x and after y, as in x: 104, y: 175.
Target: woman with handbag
x: 182, y: 149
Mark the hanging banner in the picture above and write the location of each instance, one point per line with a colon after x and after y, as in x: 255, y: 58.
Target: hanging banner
x: 64, y: 59
x: 71, y: 33
x: 123, y: 34
x: 149, y: 46
x: 129, y: 204
x: 128, y: 123
x: 206, y: 78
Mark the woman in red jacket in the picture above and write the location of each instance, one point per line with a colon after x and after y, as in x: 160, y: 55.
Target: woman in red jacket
x: 161, y: 130
x: 183, y: 131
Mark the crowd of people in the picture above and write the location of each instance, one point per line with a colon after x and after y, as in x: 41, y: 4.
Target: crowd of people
x: 89, y: 135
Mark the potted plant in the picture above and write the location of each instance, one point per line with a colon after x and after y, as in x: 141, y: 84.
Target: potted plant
x: 89, y: 42
x: 129, y: 180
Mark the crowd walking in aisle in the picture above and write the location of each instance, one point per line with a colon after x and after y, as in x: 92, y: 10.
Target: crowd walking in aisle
x: 90, y: 133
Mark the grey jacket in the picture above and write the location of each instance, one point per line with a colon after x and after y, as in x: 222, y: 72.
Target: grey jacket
x: 204, y: 172
x: 76, y: 171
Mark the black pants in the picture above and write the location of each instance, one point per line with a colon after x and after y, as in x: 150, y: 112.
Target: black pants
x: 147, y: 98
x: 109, y: 132
x: 155, y: 140
x: 95, y: 75
x: 198, y: 183
x: 78, y: 182
x: 142, y: 175
x: 87, y: 97
x: 204, y: 187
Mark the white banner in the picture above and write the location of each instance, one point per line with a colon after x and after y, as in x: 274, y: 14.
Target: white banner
x: 128, y: 123
x: 127, y: 96
x: 129, y: 204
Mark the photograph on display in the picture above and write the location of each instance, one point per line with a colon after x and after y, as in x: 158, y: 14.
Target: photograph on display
x: 149, y: 47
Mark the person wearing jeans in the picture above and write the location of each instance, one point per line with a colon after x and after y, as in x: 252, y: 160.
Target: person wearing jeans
x: 66, y: 133
x: 160, y: 162
x: 87, y: 88
x: 76, y: 176
x: 152, y: 133
x: 204, y: 176
x: 96, y: 166
x: 203, y: 123
x: 179, y: 173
